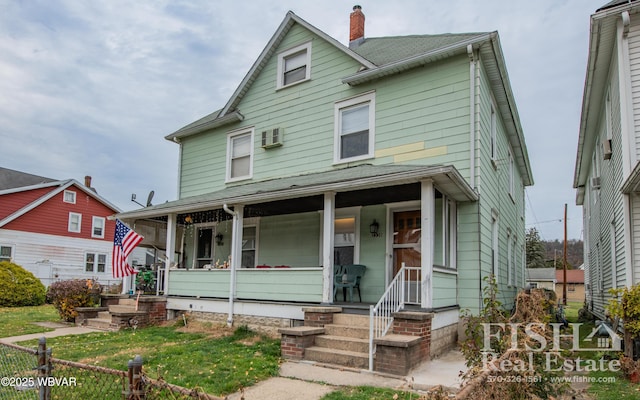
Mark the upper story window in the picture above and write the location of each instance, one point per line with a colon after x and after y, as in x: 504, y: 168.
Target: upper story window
x: 239, y: 155
x: 294, y: 65
x: 97, y: 227
x: 75, y: 222
x: 69, y: 196
x: 354, y: 128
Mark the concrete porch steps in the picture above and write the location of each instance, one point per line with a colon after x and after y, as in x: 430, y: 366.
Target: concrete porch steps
x: 345, y: 342
x: 104, y: 320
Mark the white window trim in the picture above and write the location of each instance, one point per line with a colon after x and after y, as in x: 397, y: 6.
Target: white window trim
x: 281, y: 58
x: 93, y: 225
x: 72, y: 194
x: 511, y: 174
x: 230, y: 136
x: 369, y: 98
x: 495, y: 246
x: 95, y: 262
x: 13, y: 249
x: 71, y: 215
x: 493, y: 127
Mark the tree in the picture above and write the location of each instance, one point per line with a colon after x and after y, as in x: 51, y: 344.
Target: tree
x: 535, y: 249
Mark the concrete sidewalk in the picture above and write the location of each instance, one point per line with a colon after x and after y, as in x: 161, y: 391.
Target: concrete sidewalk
x: 59, y: 330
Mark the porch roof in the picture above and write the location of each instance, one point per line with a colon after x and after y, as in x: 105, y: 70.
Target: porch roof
x: 446, y: 178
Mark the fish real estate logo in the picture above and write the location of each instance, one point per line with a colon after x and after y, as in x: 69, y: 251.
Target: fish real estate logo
x: 537, y: 343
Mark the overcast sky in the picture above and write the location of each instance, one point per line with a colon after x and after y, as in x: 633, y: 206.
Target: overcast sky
x: 92, y: 87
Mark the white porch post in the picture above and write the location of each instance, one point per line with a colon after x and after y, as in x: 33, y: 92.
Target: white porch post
x: 427, y: 212
x: 171, y: 249
x: 236, y: 255
x: 328, y: 217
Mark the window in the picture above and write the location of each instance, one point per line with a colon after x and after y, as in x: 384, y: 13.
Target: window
x: 511, y: 174
x: 294, y: 65
x: 444, y: 235
x: 75, y: 222
x: 344, y: 241
x: 95, y: 262
x: 204, y: 246
x: 533, y: 285
x: 97, y: 227
x: 69, y: 197
x: 6, y: 253
x: 571, y: 287
x: 494, y: 134
x: 494, y: 245
x: 249, y: 247
x: 354, y: 128
x: 240, y: 155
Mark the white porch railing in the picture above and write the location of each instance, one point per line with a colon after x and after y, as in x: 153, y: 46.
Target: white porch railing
x: 404, y: 289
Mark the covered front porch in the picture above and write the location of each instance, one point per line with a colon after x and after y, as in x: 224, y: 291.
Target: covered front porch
x: 280, y: 240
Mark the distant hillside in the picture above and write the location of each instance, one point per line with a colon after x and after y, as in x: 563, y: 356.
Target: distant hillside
x: 554, y: 249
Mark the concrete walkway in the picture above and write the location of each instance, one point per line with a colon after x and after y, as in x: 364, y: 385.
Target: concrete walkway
x: 313, y: 380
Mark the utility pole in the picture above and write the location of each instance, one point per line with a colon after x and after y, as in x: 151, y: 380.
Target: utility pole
x: 564, y: 260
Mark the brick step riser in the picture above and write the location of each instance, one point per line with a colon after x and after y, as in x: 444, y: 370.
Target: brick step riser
x: 342, y: 344
x: 351, y: 320
x: 127, y: 302
x: 315, y: 354
x: 347, y: 331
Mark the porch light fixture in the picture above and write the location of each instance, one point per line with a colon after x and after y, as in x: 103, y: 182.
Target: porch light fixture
x: 373, y: 228
x: 219, y: 239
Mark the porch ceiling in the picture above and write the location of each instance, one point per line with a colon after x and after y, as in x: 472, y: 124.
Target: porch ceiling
x: 360, y: 185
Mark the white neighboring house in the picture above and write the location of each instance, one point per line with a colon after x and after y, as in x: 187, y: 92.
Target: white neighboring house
x: 57, y: 229
x: 541, y: 278
x: 607, y: 173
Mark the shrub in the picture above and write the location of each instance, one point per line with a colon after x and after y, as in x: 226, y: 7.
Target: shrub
x: 66, y: 296
x: 19, y: 287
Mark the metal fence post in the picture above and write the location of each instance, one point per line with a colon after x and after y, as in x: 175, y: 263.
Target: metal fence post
x: 136, y: 383
x: 44, y: 369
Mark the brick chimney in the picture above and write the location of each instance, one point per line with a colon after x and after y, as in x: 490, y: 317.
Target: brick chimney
x: 87, y: 181
x: 356, y: 26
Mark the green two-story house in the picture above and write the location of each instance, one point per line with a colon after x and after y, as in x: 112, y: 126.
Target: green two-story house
x: 394, y: 152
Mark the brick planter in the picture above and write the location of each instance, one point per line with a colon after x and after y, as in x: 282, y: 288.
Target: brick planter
x: 294, y: 341
x: 397, y: 354
x: 415, y: 324
x: 319, y: 316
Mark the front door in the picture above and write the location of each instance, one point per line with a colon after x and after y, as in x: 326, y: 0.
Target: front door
x: 407, y: 235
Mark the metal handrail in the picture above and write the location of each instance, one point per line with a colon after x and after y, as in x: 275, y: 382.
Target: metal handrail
x: 393, y: 300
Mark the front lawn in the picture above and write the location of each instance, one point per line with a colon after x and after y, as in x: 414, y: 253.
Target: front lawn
x: 216, y: 359
x: 16, y: 321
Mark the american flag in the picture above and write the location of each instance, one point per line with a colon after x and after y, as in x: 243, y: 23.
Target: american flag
x: 124, y: 242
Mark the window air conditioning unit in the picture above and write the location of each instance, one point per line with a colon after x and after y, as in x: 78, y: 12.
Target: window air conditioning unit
x: 272, y: 138
x: 595, y: 183
x: 606, y: 149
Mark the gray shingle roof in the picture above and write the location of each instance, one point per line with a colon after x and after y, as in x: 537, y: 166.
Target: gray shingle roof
x: 10, y: 179
x: 384, y: 50
x: 541, y: 274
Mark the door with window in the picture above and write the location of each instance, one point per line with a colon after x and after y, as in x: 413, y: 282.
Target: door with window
x: 407, y: 236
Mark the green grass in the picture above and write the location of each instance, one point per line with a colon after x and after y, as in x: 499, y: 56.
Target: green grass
x: 217, y: 365
x: 369, y: 393
x: 15, y: 321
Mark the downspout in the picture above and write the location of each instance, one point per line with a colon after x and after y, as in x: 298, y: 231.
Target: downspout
x: 472, y: 116
x: 232, y: 267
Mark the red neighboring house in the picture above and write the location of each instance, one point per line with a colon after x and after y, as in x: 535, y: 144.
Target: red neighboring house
x: 57, y: 229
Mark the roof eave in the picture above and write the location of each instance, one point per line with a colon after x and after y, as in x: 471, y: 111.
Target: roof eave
x: 464, y: 192
x: 235, y: 116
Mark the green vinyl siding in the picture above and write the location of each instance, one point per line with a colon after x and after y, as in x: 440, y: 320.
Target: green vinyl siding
x: 444, y: 289
x: 430, y: 108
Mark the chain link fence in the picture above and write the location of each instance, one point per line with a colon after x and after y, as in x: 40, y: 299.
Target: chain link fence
x: 34, y: 374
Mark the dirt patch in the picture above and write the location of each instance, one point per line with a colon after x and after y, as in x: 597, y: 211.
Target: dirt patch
x: 212, y: 330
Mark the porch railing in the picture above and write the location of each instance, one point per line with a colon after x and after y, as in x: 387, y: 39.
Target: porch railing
x: 404, y: 289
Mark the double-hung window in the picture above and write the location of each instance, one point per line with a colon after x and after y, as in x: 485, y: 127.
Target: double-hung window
x: 354, y: 128
x: 294, y: 65
x: 240, y: 155
x: 75, y: 222
x: 69, y: 197
x: 6, y: 253
x: 95, y: 262
x: 97, y: 227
